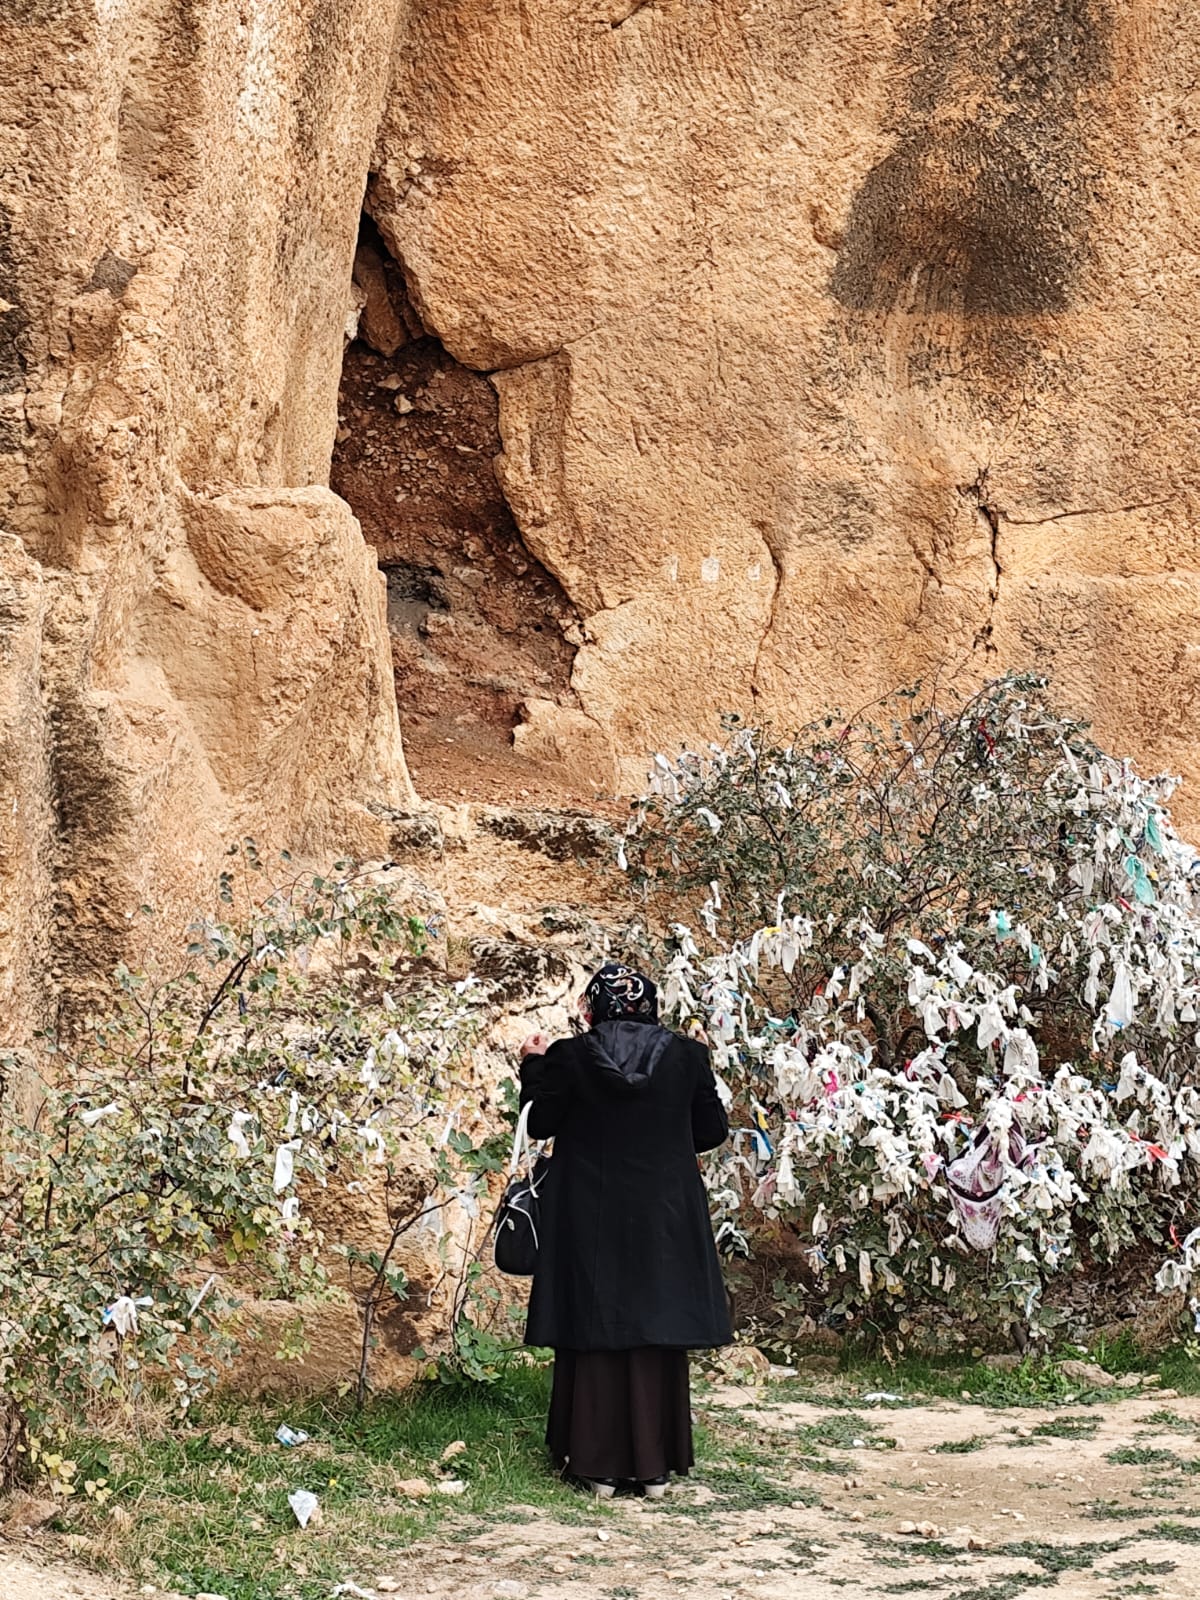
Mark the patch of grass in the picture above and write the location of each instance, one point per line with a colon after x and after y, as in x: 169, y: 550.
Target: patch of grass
x: 934, y: 1550
x: 1168, y: 1419
x: 1056, y: 1558
x: 730, y: 1442
x: 931, y: 1549
x: 914, y: 1586
x: 814, y: 1461
x: 1005, y: 1588
x: 737, y: 1463
x: 1119, y: 1355
x: 738, y: 1487
x: 1132, y: 1455
x: 1177, y: 1532
x: 804, y: 1446
x: 1179, y: 1370
x: 962, y: 1447
x: 1067, y: 1428
x: 1142, y: 1569
x: 210, y: 1506
x: 839, y: 1430
x: 1035, y: 1382
x: 1177, y: 1366
x: 1110, y: 1511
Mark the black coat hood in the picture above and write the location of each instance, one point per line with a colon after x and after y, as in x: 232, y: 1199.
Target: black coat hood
x: 626, y: 1053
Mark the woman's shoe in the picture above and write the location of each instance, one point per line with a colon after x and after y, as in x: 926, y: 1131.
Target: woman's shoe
x: 655, y: 1488
x: 602, y: 1488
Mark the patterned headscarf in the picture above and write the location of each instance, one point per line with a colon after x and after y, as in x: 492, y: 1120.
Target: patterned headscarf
x: 618, y: 992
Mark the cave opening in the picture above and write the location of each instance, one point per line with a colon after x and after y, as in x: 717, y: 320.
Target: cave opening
x: 477, y: 625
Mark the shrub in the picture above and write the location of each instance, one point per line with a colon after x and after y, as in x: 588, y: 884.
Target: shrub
x: 946, y: 953
x: 173, y: 1145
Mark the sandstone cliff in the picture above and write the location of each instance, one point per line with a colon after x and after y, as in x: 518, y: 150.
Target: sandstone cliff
x: 193, y: 633
x: 818, y: 346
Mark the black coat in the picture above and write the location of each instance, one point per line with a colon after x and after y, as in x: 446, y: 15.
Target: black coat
x: 626, y: 1255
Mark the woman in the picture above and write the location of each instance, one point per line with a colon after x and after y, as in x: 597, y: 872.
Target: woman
x: 628, y: 1279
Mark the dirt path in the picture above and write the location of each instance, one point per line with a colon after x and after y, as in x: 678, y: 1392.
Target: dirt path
x: 1004, y: 1511
x: 811, y: 1501
x: 33, y: 1578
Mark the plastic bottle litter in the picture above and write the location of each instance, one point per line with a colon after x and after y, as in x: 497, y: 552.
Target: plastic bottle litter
x: 291, y: 1437
x: 303, y: 1502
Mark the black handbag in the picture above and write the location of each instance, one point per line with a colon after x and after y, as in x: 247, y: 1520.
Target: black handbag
x: 518, y: 1219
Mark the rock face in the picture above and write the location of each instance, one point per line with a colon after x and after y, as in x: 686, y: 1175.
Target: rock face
x: 192, y: 633
x: 832, y: 345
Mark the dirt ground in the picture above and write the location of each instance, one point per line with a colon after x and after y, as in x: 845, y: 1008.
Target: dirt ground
x: 452, y: 761
x: 956, y: 1501
x: 1013, y: 1513
x: 22, y: 1579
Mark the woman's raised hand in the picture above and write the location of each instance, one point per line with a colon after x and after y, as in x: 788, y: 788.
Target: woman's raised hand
x: 536, y: 1045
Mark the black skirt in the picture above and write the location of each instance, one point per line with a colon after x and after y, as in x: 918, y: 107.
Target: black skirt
x: 621, y: 1413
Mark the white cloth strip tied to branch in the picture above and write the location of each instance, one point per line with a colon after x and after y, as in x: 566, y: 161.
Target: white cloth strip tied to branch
x: 285, y: 1165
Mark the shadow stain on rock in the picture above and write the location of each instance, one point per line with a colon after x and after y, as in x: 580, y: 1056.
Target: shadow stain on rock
x: 14, y: 327
x: 983, y: 207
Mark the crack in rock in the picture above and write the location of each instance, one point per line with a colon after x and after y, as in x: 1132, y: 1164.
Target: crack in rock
x: 767, y: 631
x: 631, y: 11
x: 977, y: 494
x: 1085, y: 511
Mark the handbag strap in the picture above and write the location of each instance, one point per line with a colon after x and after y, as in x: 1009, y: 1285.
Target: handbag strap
x: 521, y: 1141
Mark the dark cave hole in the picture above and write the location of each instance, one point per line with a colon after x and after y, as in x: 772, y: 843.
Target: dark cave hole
x: 477, y: 624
